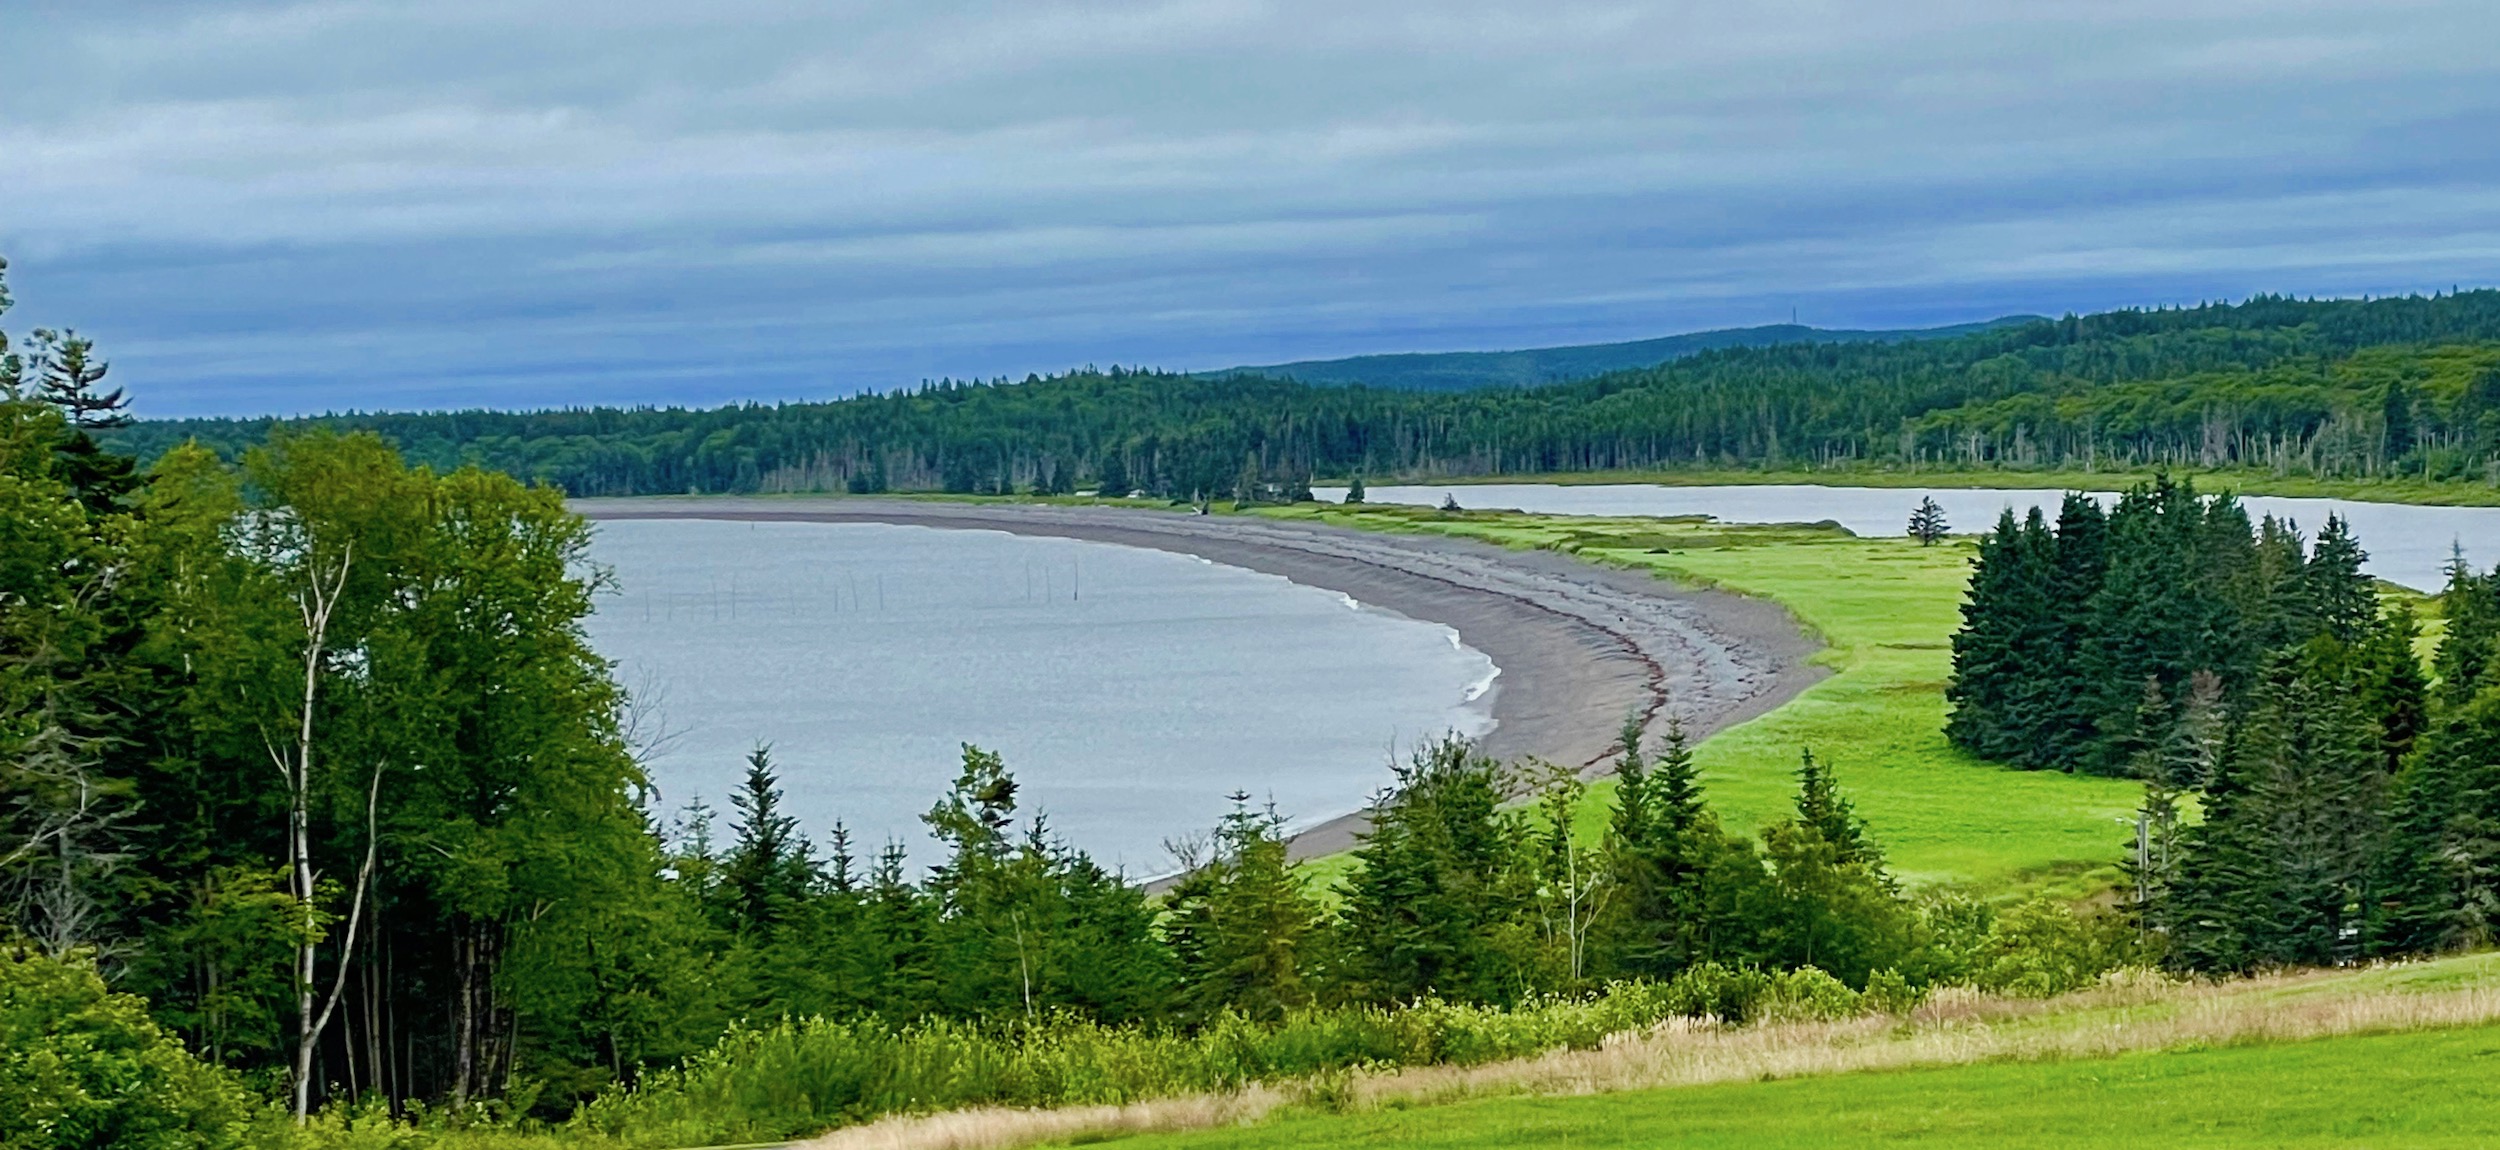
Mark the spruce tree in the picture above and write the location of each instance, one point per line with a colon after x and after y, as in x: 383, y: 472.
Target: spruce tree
x: 2470, y: 648
x: 1677, y: 805
x: 2165, y: 610
x: 2439, y: 875
x: 1427, y: 911
x: 1827, y: 901
x: 1927, y: 523
x: 2342, y: 600
x: 2280, y: 872
x: 2396, y: 419
x: 2008, y: 638
x: 770, y: 866
x: 2067, y: 720
x: 2288, y: 616
x: 1631, y: 820
x: 1240, y: 924
x: 2391, y: 685
x: 1111, y: 477
x: 1678, y: 881
x: 1821, y: 807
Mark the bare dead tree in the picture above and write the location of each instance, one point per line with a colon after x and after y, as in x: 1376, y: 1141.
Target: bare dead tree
x: 62, y: 854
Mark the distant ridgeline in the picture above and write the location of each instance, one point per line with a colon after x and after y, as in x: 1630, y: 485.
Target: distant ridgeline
x: 2346, y: 388
x: 1537, y: 367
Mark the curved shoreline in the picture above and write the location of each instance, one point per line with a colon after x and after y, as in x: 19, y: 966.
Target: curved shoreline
x: 1578, y: 645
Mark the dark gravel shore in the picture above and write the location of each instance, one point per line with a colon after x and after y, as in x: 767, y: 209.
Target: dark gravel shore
x: 1578, y: 645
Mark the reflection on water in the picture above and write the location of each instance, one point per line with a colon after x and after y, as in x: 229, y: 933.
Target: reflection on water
x: 2407, y: 544
x: 1130, y: 690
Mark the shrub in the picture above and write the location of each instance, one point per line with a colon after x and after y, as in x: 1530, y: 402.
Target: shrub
x: 81, y: 1066
x: 1892, y: 992
x: 1808, y: 995
x: 1710, y: 990
x: 2043, y: 947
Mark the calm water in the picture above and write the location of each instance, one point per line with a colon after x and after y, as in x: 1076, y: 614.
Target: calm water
x: 2407, y: 544
x: 1129, y: 690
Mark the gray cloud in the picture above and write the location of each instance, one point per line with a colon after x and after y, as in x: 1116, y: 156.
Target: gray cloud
x: 294, y: 207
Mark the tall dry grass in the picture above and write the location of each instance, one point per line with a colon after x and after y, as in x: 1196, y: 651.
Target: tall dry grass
x: 2129, y: 1012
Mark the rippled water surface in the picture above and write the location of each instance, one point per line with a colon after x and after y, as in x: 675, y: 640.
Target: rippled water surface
x: 1130, y: 690
x: 2407, y: 544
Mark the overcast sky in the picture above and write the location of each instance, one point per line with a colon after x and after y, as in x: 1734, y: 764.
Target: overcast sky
x: 288, y: 208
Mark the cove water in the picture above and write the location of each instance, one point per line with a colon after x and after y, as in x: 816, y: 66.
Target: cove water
x: 1130, y: 690
x: 2408, y: 544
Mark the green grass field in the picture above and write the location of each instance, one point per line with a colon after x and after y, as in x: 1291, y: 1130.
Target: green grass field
x: 2434, y: 1088
x: 1887, y: 609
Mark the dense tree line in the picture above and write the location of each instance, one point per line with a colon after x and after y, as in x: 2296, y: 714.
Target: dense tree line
x: 2402, y: 386
x: 2086, y: 643
x: 2345, y: 791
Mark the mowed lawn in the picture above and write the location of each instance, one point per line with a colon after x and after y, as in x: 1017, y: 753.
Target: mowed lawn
x: 2436, y: 1088
x: 1887, y: 608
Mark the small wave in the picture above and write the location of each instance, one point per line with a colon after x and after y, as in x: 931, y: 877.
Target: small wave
x: 1477, y: 689
x: 1353, y: 604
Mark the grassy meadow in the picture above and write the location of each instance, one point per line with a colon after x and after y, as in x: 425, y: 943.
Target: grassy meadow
x: 2423, y: 1089
x: 1887, y: 609
x: 2139, y: 1060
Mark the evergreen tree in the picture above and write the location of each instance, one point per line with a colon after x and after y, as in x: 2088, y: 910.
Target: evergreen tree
x: 2470, y: 648
x: 2164, y: 610
x: 2289, y: 614
x: 1023, y: 924
x: 1680, y: 883
x: 2343, y: 601
x: 1240, y: 925
x: 1927, y: 523
x: 1111, y: 477
x: 2396, y: 417
x: 1827, y: 901
x: 2280, y: 870
x: 2391, y: 686
x: 2439, y: 877
x: 1437, y: 906
x: 2063, y: 703
x: 771, y: 868
x: 66, y: 374
x: 1822, y: 808
x: 2009, y: 639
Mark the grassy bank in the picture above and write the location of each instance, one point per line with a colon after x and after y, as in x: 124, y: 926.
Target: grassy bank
x: 2423, y: 1089
x: 1887, y: 609
x: 2398, y: 489
x: 2137, y: 1060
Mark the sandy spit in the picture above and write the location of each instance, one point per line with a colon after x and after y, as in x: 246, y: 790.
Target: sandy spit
x: 1579, y: 645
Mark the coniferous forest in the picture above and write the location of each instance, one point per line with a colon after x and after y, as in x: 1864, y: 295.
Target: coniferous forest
x: 2337, y: 389
x: 2343, y: 792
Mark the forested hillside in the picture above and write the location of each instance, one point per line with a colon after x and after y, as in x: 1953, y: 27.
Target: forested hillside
x: 2342, y: 389
x: 1538, y: 366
